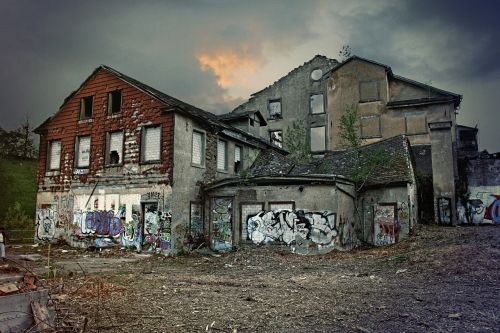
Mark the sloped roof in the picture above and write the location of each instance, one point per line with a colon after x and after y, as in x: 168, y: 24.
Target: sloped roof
x: 247, y: 114
x: 271, y: 163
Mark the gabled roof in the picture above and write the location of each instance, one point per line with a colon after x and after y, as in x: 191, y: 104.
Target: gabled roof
x: 457, y: 98
x: 247, y: 114
x: 271, y: 163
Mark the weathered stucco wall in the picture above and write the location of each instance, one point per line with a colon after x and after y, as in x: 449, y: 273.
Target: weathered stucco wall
x: 232, y: 207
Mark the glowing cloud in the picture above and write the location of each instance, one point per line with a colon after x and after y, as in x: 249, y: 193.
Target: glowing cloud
x: 231, y: 67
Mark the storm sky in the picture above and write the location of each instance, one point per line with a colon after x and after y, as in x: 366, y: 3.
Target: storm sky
x: 214, y: 54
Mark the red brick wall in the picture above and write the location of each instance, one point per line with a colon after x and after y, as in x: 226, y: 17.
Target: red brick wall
x: 137, y: 108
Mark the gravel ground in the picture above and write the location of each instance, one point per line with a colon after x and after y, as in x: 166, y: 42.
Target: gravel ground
x: 443, y: 279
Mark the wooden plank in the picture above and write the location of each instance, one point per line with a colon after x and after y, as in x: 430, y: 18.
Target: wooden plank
x: 41, y: 315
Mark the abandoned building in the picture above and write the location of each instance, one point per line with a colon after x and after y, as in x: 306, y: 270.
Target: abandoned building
x: 122, y: 164
x: 320, y: 91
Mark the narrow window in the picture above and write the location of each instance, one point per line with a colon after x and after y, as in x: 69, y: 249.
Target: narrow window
x: 83, y: 151
x: 368, y: 91
x: 114, y: 148
x: 151, y: 144
x: 114, y: 102
x: 318, y: 138
x: 238, y: 163
x: 276, y: 138
x: 370, y: 127
x: 317, y: 104
x: 221, y: 155
x: 86, y: 107
x: 198, y: 149
x: 274, y: 107
x: 55, y: 155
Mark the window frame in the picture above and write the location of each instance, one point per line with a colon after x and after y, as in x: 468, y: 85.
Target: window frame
x: 107, y: 158
x: 310, y: 103
x: 202, y: 149
x: 83, y: 107
x: 379, y: 135
x: 361, y: 100
x: 270, y: 137
x: 310, y: 139
x: 49, y: 155
x: 143, y: 148
x: 269, y: 102
x: 226, y: 144
x: 77, y: 151
x: 426, y: 124
x: 111, y: 105
x: 241, y: 159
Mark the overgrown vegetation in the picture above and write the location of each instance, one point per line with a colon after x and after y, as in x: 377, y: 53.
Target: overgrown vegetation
x: 296, y: 141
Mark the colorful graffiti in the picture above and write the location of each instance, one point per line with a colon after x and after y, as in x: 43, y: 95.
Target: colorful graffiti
x: 100, y: 223
x: 46, y: 222
x: 386, y: 224
x: 131, y: 236
x: 195, y: 236
x: 221, y: 223
x: 157, y: 230
x: 484, y: 208
x: 306, y: 232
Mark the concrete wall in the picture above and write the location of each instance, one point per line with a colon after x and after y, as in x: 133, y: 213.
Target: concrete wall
x: 315, y: 200
x: 295, y: 91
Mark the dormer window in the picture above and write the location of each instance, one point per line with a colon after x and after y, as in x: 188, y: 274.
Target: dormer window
x: 86, y: 107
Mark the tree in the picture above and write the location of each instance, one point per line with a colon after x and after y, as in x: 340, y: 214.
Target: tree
x: 345, y: 52
x: 18, y: 142
x: 296, y: 141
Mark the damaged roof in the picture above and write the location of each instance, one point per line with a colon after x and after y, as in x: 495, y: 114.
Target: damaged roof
x: 272, y: 163
x: 246, y: 114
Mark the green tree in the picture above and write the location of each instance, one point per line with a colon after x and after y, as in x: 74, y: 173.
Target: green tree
x: 296, y: 141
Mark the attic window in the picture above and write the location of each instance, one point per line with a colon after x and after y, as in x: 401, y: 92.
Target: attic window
x: 274, y: 108
x: 86, y: 107
x: 114, y: 102
x: 316, y: 74
x: 368, y: 91
x: 276, y: 138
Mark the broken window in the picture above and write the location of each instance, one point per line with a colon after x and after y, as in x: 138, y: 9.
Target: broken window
x: 276, y: 138
x: 82, y: 151
x: 318, y: 138
x: 221, y: 155
x: 151, y: 144
x: 54, y: 155
x: 198, y: 149
x: 317, y: 104
x: 416, y: 124
x: 368, y: 91
x: 114, y: 102
x: 370, y: 127
x: 86, y: 107
x: 274, y: 107
x: 114, y: 148
x: 238, y: 163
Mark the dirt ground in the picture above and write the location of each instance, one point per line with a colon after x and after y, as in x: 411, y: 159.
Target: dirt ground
x: 443, y: 279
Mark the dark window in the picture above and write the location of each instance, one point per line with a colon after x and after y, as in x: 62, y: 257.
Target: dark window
x: 274, y: 108
x: 251, y: 122
x: 114, y: 102
x: 237, y: 159
x: 86, y: 107
x: 368, y: 91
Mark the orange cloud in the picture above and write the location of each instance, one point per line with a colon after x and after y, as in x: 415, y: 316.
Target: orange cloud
x: 230, y: 66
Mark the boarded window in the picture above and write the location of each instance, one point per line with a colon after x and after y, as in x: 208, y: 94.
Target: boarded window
x: 237, y: 159
x: 274, y: 107
x: 198, y: 151
x: 221, y: 155
x: 83, y: 151
x: 114, y: 154
x: 368, y: 91
x: 317, y: 104
x: 114, y: 102
x: 370, y: 127
x: 318, y: 138
x: 416, y: 124
x: 151, y: 144
x: 86, y: 107
x: 276, y: 138
x: 55, y: 155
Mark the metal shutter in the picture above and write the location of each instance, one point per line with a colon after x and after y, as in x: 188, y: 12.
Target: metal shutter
x: 221, y: 155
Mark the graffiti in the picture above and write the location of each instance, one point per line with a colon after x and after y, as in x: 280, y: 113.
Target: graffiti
x: 221, y: 220
x: 101, y: 223
x: 195, y: 236
x: 157, y: 228
x: 305, y: 232
x: 131, y: 234
x: 386, y: 224
x: 46, y: 221
x: 483, y: 209
x: 444, y: 210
